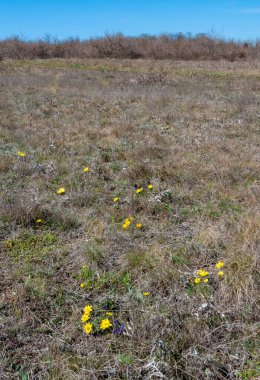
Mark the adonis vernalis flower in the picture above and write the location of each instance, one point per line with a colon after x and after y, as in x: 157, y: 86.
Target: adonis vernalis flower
x: 202, y: 272
x: 61, y: 191
x: 105, y: 324
x: 88, y: 328
x: 219, y: 264
x: 21, y: 154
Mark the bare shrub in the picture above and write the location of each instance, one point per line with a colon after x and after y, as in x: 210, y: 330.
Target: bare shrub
x: 165, y: 46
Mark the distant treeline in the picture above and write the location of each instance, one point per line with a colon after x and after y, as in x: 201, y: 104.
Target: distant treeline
x: 166, y: 46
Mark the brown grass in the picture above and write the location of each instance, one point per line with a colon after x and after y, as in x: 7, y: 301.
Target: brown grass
x: 189, y: 128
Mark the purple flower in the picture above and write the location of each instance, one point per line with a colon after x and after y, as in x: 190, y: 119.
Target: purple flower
x: 119, y: 328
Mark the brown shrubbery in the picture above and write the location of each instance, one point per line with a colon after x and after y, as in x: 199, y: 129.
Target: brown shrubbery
x: 178, y: 47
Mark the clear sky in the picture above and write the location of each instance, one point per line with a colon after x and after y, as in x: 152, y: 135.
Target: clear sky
x: 29, y: 19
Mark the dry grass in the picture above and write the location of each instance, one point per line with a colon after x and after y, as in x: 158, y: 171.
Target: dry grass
x: 190, y: 129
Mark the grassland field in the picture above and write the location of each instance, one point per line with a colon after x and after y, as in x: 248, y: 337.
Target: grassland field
x: 131, y: 187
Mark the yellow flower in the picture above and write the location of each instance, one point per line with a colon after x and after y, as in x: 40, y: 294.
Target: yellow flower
x: 219, y: 264
x: 126, y: 224
x: 197, y: 280
x: 150, y: 187
x: 84, y: 267
x: 85, y: 317
x: 116, y: 199
x: 220, y: 273
x: 88, y: 328
x: 130, y: 219
x: 38, y: 221
x: 88, y: 309
x: 61, y: 191
x: 105, y: 324
x: 146, y: 294
x: 206, y: 280
x: 86, y: 169
x: 138, y: 191
x: 82, y: 285
x: 202, y: 273
x: 21, y: 154
x: 109, y: 313
x: 138, y: 225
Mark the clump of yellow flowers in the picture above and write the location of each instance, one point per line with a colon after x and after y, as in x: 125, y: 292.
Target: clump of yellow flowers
x: 127, y: 222
x: 201, y: 273
x: 116, y: 199
x: 86, y: 169
x: 220, y: 265
x: 21, y: 154
x: 139, y: 190
x: 88, y: 327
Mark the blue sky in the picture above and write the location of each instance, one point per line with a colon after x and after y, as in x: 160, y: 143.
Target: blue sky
x: 237, y: 19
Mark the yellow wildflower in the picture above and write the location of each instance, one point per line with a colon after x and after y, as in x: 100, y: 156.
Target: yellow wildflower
x: 206, y: 280
x: 220, y: 273
x: 150, y: 187
x: 88, y: 309
x: 138, y: 191
x: 202, y: 273
x: 116, y: 199
x: 85, y: 317
x: 84, y: 267
x: 219, y: 264
x: 86, y: 169
x: 146, y: 294
x: 21, y: 154
x: 105, y: 324
x: 138, y: 225
x: 130, y: 219
x: 82, y: 285
x: 61, y: 191
x: 126, y: 224
x: 197, y: 280
x: 109, y: 313
x: 88, y: 328
x: 38, y: 221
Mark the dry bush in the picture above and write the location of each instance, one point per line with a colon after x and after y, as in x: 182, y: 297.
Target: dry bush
x: 177, y: 47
